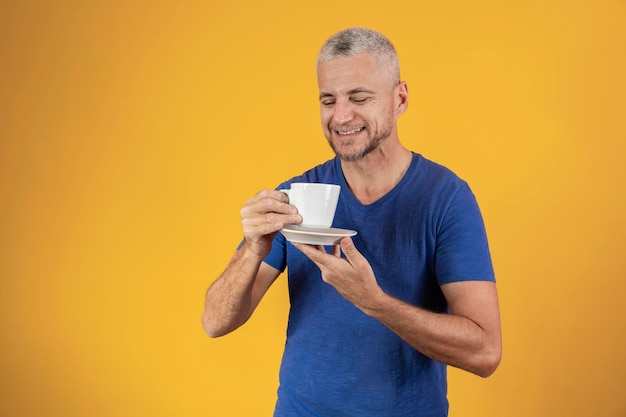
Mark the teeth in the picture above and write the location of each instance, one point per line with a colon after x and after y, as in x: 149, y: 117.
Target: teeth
x: 349, y: 132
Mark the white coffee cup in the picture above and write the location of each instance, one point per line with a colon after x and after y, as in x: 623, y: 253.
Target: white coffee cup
x: 315, y: 202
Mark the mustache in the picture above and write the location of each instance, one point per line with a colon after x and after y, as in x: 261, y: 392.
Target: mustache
x: 347, y: 128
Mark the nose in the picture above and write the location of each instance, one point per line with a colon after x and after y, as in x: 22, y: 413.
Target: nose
x: 342, y: 112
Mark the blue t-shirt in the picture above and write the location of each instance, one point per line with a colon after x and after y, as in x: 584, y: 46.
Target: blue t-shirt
x: 427, y: 231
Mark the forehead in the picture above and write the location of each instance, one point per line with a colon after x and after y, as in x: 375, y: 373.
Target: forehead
x: 347, y: 73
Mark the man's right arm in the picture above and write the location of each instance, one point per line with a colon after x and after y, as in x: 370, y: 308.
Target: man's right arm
x: 233, y: 297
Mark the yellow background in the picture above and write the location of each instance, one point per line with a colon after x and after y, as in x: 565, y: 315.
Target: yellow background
x: 133, y: 131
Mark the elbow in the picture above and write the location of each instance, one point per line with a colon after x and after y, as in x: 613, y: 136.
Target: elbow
x: 211, y: 326
x: 489, y: 363
x: 215, y: 325
x: 487, y: 370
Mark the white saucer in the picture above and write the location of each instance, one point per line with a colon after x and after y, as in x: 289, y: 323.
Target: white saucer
x: 315, y: 236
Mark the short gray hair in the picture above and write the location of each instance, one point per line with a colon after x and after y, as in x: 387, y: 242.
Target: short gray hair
x: 357, y: 40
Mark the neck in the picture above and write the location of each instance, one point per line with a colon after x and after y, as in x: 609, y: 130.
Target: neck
x: 377, y: 173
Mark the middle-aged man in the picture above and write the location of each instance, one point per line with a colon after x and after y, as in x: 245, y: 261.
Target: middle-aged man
x: 375, y: 319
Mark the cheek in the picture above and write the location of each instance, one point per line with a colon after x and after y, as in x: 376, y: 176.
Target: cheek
x: 326, y: 116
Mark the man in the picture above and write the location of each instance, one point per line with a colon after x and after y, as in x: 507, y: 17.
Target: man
x: 374, y: 320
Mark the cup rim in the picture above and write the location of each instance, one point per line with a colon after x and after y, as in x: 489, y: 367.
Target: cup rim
x: 314, y: 183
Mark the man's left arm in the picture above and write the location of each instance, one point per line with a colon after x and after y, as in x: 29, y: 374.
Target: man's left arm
x: 468, y: 338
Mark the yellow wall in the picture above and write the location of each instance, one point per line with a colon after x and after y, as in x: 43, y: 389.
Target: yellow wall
x: 131, y: 133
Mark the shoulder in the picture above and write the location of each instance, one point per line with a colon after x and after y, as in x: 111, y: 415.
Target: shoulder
x: 435, y: 181
x: 434, y: 172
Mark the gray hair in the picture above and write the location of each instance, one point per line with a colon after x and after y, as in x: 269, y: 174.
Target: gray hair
x: 354, y: 41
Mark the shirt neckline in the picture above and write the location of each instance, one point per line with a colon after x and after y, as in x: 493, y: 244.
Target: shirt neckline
x: 352, y: 200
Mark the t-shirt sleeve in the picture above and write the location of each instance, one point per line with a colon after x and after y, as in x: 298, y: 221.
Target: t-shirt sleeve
x: 462, y: 251
x: 278, y: 255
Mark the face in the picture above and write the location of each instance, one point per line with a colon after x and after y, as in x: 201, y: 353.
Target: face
x: 359, y: 105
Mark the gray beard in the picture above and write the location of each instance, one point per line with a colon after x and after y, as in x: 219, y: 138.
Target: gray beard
x: 370, y: 146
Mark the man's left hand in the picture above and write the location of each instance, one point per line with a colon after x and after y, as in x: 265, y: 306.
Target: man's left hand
x: 351, y: 276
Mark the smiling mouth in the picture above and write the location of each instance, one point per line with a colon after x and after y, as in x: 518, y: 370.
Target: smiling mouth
x: 344, y: 132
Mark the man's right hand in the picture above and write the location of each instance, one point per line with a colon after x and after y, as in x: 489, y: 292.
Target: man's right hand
x: 263, y: 216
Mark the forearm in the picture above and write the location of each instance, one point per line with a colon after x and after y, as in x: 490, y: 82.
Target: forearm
x: 450, y: 339
x: 234, y: 296
x: 468, y: 338
x: 229, y: 300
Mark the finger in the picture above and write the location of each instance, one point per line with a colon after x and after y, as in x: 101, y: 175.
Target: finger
x: 320, y: 248
x: 260, y: 210
x: 313, y: 253
x: 267, y: 205
x: 352, y: 254
x: 337, y: 251
x: 308, y: 250
x: 253, y: 229
x: 276, y: 195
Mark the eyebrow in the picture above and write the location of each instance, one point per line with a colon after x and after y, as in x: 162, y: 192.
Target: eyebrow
x: 353, y: 91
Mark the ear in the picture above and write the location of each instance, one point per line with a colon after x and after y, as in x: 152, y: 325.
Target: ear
x: 401, y: 96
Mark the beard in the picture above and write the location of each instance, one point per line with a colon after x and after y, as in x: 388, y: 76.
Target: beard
x: 345, y: 152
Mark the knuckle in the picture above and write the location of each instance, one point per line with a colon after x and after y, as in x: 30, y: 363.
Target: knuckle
x: 263, y: 194
x: 271, y: 204
x: 266, y: 204
x: 271, y: 217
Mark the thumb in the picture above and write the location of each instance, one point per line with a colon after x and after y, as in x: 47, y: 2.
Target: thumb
x: 352, y: 254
